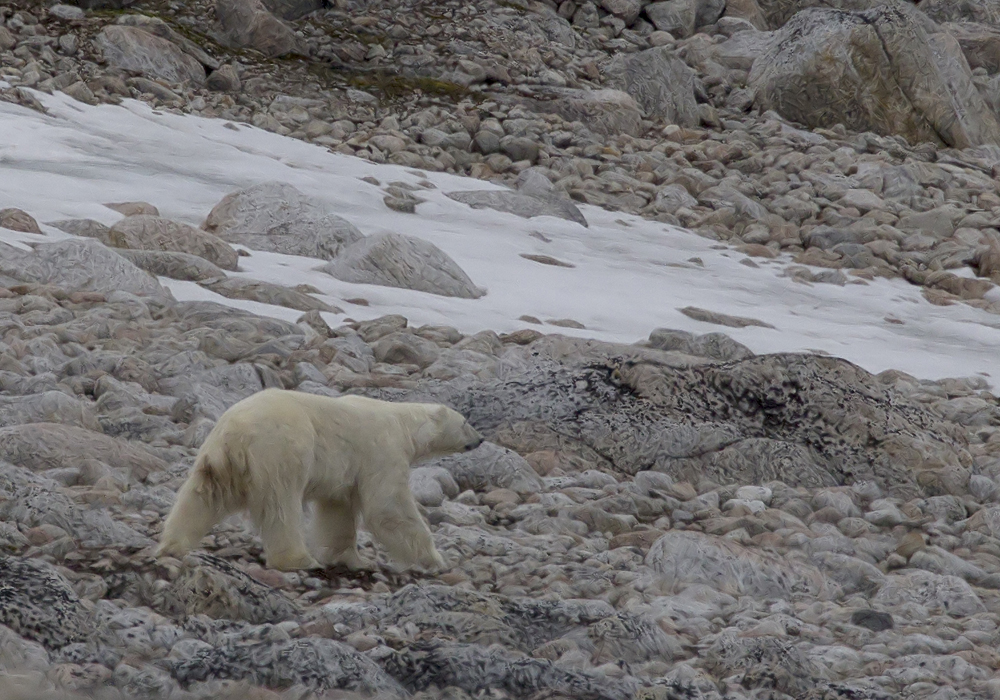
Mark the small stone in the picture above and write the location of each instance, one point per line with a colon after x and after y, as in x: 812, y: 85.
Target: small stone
x: 872, y: 619
x: 497, y: 496
x: 225, y: 79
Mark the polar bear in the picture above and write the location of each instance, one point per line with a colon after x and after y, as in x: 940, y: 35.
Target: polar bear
x: 350, y: 456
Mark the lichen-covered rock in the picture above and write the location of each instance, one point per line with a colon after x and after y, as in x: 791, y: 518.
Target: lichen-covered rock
x: 78, y: 265
x: 276, y: 217
x: 144, y: 232
x: 208, y: 585
x: 39, y: 604
x: 32, y: 500
x: 617, y: 408
x: 876, y: 70
x: 475, y: 668
x: 945, y: 594
x: 318, y: 664
x: 394, y: 260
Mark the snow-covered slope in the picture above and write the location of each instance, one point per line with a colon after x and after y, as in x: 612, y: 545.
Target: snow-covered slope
x: 630, y: 276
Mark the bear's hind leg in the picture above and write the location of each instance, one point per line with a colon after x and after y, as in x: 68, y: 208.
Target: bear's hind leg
x: 336, y: 535
x: 196, y: 511
x: 393, y: 518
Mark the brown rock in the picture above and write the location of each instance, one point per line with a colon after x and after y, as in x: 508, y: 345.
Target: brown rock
x: 642, y: 539
x: 18, y: 220
x: 133, y: 208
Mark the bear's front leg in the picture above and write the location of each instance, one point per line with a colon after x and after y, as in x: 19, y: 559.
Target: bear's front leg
x: 335, y: 528
x: 284, y: 541
x: 394, y: 519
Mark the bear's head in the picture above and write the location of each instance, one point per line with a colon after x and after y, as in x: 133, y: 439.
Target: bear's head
x: 447, y: 432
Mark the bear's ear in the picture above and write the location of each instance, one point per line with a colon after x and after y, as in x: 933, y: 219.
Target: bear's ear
x: 440, y: 414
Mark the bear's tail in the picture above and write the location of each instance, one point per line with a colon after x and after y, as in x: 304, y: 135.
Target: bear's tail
x: 221, y: 473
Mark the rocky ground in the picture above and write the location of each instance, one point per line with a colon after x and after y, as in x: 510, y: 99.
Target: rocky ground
x: 674, y: 519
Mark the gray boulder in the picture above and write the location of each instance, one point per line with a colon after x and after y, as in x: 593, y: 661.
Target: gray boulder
x: 248, y: 24
x: 173, y: 264
x: 522, y: 203
x: 276, y: 217
x: 39, y: 604
x: 266, y: 293
x: 878, y: 70
x: 685, y: 558
x: 210, y: 392
x: 144, y: 232
x: 208, y: 585
x: 980, y: 11
x: 491, y: 467
x: 156, y: 26
x: 660, y: 82
x: 606, y: 112
x: 134, y: 49
x: 33, y: 500
x: 42, y: 446
x: 47, y: 407
x: 79, y: 265
x: 315, y: 663
x: 630, y: 409
x: 293, y: 9
x: 394, y: 260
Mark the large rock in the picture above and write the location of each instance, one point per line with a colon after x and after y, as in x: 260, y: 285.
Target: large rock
x: 172, y: 264
x: 293, y: 9
x: 660, y: 82
x: 248, y: 24
x: 146, y: 232
x: 79, y: 265
x: 777, y: 12
x: 314, y: 663
x: 394, y: 260
x: 981, y: 11
x: 685, y: 558
x: 266, y: 293
x: 491, y: 467
x: 801, y: 419
x: 47, y: 406
x: 43, y: 446
x: 519, y: 204
x: 276, y: 217
x: 208, y: 585
x: 39, y: 604
x: 134, y: 49
x: 980, y: 44
x: 210, y: 392
x: 32, y: 500
x: 156, y: 26
x: 877, y: 70
x: 606, y: 112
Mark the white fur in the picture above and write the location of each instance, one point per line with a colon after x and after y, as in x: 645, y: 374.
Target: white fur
x: 350, y: 456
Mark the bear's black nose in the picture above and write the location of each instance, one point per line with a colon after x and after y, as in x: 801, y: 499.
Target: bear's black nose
x: 473, y: 445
